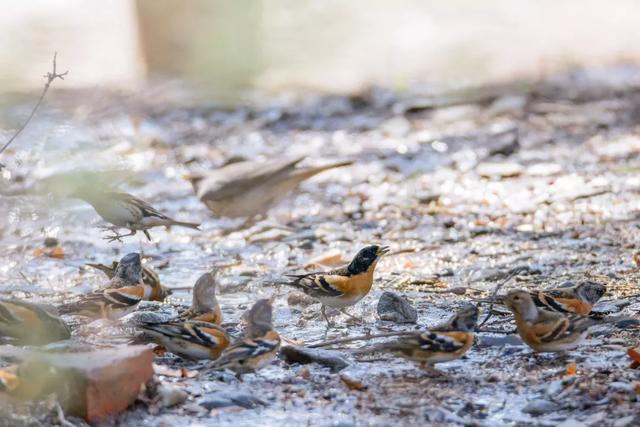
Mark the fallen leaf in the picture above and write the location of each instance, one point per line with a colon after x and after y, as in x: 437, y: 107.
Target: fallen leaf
x: 634, y: 354
x: 167, y: 371
x: 38, y: 252
x: 328, y: 259
x: 352, y: 383
x: 571, y: 369
x: 56, y: 252
x: 408, y: 265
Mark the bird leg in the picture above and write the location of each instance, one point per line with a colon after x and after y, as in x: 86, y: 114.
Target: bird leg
x: 324, y: 315
x: 116, y: 236
x: 431, y: 370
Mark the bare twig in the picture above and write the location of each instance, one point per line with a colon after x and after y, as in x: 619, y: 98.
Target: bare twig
x: 50, y: 78
x: 495, y: 294
x: 360, y: 338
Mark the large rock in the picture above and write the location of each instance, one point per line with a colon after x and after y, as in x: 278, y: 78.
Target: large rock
x: 303, y: 355
x: 91, y: 385
x: 396, y: 308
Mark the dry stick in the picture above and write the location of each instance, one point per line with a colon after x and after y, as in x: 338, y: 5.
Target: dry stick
x: 360, y: 338
x: 50, y: 78
x: 495, y: 293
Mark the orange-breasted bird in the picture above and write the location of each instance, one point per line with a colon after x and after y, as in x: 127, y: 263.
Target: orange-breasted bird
x: 31, y: 323
x: 442, y: 343
x: 578, y: 299
x: 257, y: 347
x: 119, y: 278
x: 196, y: 335
x: 342, y: 287
x: 548, y: 331
x: 112, y: 303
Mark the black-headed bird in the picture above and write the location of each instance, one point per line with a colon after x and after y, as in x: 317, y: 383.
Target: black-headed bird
x: 342, y: 287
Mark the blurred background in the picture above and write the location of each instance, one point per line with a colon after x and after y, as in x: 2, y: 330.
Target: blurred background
x: 227, y: 49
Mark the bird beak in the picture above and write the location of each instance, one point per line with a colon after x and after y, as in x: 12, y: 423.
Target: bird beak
x: 383, y: 250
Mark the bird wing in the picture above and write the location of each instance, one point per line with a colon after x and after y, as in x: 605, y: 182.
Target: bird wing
x: 238, y: 177
x: 202, y: 333
x: 144, y: 208
x: 105, y: 301
x: 329, y: 284
x: 551, y: 327
x: 430, y: 341
x: 246, y: 349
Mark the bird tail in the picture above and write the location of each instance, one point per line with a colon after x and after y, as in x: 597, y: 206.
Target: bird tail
x: 314, y: 170
x: 192, y: 225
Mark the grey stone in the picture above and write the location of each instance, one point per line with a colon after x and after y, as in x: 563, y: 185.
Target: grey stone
x: 222, y: 399
x: 538, y: 407
x: 396, y: 308
x: 303, y: 355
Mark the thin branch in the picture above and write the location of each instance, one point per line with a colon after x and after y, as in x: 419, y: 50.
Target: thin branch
x: 495, y: 294
x: 50, y: 78
x: 360, y: 338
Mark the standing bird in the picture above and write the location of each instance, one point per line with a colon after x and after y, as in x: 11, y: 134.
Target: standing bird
x: 31, y: 323
x: 197, y: 334
x: 548, y: 331
x: 250, y: 188
x: 442, y: 343
x: 118, y: 278
x: 114, y: 302
x: 258, y: 345
x: 342, y: 287
x: 204, y: 304
x: 126, y: 211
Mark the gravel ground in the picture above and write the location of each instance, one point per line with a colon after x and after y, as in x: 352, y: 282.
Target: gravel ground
x: 465, y: 187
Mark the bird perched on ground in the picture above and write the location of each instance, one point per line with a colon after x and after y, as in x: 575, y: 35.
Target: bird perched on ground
x: 251, y: 188
x: 442, y: 343
x: 342, y: 287
x: 548, y: 331
x: 126, y: 211
x: 118, y: 279
x: 197, y: 334
x: 258, y: 345
x: 31, y: 323
x: 113, y: 302
x: 204, y: 304
x: 578, y: 299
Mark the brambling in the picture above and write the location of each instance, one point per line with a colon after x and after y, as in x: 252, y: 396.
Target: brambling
x: 118, y: 278
x: 30, y: 323
x: 126, y: 211
x: 112, y: 303
x: 442, y: 343
x: 577, y: 299
x: 190, y: 339
x: 250, y: 188
x: 258, y: 345
x: 204, y: 304
x: 548, y: 331
x: 342, y: 287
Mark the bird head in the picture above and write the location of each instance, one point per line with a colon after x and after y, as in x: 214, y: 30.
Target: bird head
x: 259, y: 319
x: 204, y: 293
x: 366, y: 258
x: 521, y: 304
x: 591, y: 291
x: 129, y: 268
x: 465, y: 319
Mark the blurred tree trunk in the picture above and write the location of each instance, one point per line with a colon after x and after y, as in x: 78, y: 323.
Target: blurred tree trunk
x: 215, y: 43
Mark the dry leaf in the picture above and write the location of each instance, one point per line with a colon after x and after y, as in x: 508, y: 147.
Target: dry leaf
x: 634, y: 354
x: 328, y: 259
x: 571, y: 369
x: 352, y: 383
x: 38, y: 252
x: 56, y: 252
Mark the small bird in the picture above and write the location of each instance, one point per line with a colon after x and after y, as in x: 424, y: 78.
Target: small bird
x: 578, y: 299
x: 189, y: 339
x: 126, y: 211
x: 196, y: 335
x: 342, y: 287
x: 548, y: 331
x: 443, y: 343
x: 118, y: 279
x: 204, y: 304
x: 9, y: 380
x: 250, y: 188
x: 114, y: 302
x: 258, y: 345
x: 31, y: 323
